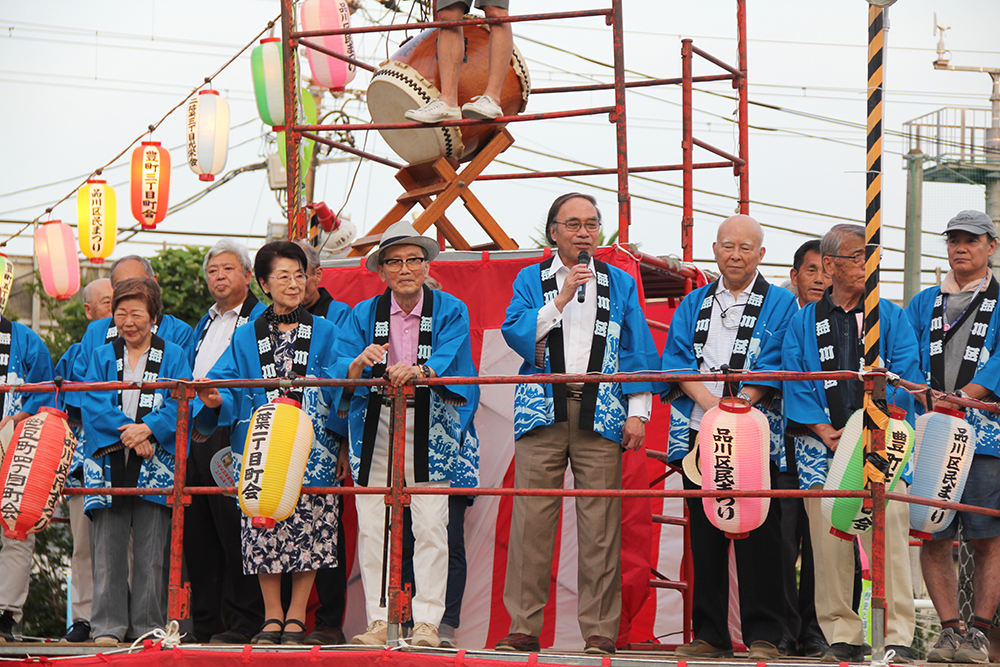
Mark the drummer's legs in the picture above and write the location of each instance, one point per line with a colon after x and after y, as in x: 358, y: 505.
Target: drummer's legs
x: 451, y: 52
x: 501, y: 47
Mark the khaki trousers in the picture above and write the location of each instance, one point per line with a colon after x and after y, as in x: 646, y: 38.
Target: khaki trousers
x: 833, y: 558
x: 540, y: 459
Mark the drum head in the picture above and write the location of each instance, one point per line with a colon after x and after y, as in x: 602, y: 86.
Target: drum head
x: 397, y: 88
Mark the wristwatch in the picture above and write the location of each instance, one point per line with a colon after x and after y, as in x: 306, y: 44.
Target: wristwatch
x: 745, y: 396
x: 642, y: 419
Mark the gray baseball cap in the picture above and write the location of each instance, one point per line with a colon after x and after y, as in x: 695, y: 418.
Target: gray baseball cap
x: 974, y: 222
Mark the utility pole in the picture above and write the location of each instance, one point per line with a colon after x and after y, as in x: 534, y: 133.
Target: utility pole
x: 914, y: 224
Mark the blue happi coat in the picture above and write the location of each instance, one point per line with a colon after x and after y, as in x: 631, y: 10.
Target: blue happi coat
x: 241, y: 361
x: 986, y: 424
x: 763, y: 354
x: 29, y: 362
x: 64, y: 369
x: 256, y: 312
x: 805, y: 402
x: 453, y: 449
x: 103, y: 416
x: 629, y: 349
x: 171, y: 330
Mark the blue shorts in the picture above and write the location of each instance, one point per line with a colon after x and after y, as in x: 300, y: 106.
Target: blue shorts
x: 982, y: 489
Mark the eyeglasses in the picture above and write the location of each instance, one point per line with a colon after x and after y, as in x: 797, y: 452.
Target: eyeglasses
x: 285, y: 278
x: 574, y: 224
x: 857, y: 258
x: 412, y: 263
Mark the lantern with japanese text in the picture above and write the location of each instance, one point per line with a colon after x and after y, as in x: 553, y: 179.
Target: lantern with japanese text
x: 306, y: 145
x: 265, y: 63
x: 849, y: 516
x: 733, y: 443
x: 55, y: 249
x: 34, y: 471
x: 6, y: 280
x: 97, y: 220
x: 328, y: 71
x: 150, y: 183
x: 207, y: 134
x: 274, y: 462
x: 945, y: 446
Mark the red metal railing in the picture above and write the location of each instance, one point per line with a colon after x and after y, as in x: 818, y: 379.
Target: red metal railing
x: 397, y: 496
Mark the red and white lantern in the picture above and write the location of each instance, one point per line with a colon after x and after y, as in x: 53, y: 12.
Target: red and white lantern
x: 945, y: 446
x: 150, y: 183
x: 734, y: 443
x: 328, y: 71
x: 274, y: 462
x: 55, y: 249
x: 34, y: 471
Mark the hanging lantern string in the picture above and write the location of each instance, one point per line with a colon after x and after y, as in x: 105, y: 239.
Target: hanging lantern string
x: 149, y: 130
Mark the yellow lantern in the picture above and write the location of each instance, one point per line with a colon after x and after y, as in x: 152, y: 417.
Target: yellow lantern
x: 6, y: 280
x: 96, y: 220
x: 274, y: 462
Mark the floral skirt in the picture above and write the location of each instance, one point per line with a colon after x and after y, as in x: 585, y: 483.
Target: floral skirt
x: 307, y: 540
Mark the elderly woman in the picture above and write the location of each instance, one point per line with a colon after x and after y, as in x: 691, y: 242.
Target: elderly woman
x: 131, y: 442
x: 285, y: 340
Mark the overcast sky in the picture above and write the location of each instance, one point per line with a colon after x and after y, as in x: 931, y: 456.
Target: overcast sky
x: 82, y: 80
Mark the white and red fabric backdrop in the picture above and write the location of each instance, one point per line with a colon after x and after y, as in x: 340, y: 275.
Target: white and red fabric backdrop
x: 486, y: 288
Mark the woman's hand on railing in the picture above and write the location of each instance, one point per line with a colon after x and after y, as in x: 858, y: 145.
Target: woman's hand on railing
x: 209, y: 396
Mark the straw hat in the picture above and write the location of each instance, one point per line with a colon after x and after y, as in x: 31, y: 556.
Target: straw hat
x: 692, y: 465
x: 402, y: 233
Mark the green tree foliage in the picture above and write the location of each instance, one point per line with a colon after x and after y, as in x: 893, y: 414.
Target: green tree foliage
x: 178, y: 270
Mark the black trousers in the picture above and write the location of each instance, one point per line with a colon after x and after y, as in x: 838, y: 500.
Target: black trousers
x: 222, y: 597
x: 331, y: 585
x: 457, y: 566
x: 801, y: 623
x: 762, y: 603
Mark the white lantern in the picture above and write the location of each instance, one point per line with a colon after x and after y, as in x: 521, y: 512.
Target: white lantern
x: 945, y: 446
x: 207, y: 134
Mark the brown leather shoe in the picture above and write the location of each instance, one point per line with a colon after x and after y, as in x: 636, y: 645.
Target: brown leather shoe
x: 700, y: 648
x: 762, y: 651
x: 598, y: 645
x: 518, y: 641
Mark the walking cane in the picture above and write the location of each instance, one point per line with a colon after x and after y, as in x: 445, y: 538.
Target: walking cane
x: 388, y: 482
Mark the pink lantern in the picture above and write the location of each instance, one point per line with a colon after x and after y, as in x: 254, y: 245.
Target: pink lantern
x: 328, y: 71
x: 734, y: 443
x: 55, y: 248
x: 34, y: 471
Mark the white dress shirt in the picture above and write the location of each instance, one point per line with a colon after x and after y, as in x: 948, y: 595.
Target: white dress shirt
x: 578, y: 320
x: 721, y: 339
x: 218, y: 332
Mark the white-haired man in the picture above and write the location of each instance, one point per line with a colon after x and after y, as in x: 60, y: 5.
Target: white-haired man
x: 226, y: 605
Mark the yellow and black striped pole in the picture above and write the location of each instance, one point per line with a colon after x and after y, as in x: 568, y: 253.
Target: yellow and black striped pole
x: 876, y: 419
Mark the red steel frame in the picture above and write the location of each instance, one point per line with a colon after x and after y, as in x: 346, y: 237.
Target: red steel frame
x: 291, y: 39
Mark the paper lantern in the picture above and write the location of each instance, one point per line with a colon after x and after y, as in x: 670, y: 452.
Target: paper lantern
x: 945, y: 446
x: 34, y: 471
x: 849, y: 516
x: 6, y: 280
x: 207, y: 134
x: 55, y: 250
x: 733, y: 443
x: 150, y: 183
x: 306, y: 146
x: 266, y: 65
x: 327, y: 71
x: 274, y: 462
x: 96, y: 220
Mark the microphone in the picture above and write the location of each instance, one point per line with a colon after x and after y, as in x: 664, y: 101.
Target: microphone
x: 581, y: 291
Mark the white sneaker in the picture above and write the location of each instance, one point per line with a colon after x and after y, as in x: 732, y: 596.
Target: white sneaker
x: 434, y: 111
x: 425, y: 634
x: 377, y: 634
x: 482, y: 107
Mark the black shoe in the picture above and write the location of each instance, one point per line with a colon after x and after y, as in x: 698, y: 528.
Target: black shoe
x: 78, y: 632
x: 230, y: 637
x: 813, y: 647
x: 786, y: 647
x: 903, y: 654
x: 844, y: 652
x: 323, y: 635
x: 6, y: 626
